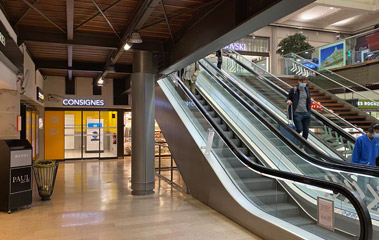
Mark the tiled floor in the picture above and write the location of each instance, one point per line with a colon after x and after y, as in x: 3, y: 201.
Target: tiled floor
x: 92, y: 200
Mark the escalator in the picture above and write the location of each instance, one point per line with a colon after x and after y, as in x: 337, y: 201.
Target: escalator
x: 236, y: 177
x: 326, y: 126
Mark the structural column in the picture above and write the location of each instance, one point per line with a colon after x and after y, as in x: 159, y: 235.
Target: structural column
x: 143, y: 110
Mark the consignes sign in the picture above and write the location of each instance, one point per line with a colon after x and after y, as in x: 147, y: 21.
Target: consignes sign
x: 82, y: 102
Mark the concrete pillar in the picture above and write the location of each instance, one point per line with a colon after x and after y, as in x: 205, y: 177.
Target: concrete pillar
x: 143, y: 110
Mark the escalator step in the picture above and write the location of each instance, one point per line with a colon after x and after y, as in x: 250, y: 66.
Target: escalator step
x: 217, y: 120
x: 298, y: 221
x: 258, y: 183
x: 212, y: 113
x: 229, y: 134
x: 268, y: 197
x: 282, y: 210
x: 198, y: 96
x: 223, y: 127
x: 202, y: 102
x: 207, y: 107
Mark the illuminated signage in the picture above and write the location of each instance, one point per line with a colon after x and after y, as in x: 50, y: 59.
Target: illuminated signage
x: 236, y: 46
x: 367, y: 104
x: 2, y: 38
x: 83, y: 102
x: 40, y: 96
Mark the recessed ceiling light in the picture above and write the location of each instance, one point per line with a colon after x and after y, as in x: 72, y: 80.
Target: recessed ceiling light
x: 331, y: 8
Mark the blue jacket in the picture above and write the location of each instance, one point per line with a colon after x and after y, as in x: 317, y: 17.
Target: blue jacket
x: 294, y: 96
x: 365, y: 150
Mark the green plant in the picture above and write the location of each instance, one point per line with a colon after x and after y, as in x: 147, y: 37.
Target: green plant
x: 294, y: 44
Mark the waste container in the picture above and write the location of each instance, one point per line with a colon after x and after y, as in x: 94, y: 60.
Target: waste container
x: 45, y: 173
x: 15, y: 174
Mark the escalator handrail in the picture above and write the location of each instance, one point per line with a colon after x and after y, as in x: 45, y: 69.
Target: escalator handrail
x: 331, y: 162
x: 360, y: 207
x: 340, y: 84
x: 285, y: 93
x: 315, y: 113
x: 332, y: 73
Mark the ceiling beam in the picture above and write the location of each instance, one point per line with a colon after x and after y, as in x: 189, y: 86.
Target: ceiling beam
x: 99, y: 41
x: 26, y: 12
x: 70, y: 33
x: 135, y: 22
x: 43, y: 15
x: 81, y: 39
x: 106, y: 19
x: 80, y: 66
x: 98, y: 13
x: 229, y: 21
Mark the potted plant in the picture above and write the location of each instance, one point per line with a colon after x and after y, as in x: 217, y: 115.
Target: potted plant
x: 295, y: 44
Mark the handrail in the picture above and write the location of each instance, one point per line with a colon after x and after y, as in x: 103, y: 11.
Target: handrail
x: 353, y: 197
x: 319, y: 116
x: 316, y: 72
x: 282, y: 90
x: 334, y: 164
x: 336, y: 74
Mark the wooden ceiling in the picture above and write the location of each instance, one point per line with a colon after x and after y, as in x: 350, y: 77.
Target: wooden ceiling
x: 45, y: 26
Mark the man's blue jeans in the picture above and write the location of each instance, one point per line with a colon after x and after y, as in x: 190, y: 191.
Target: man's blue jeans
x: 302, y: 121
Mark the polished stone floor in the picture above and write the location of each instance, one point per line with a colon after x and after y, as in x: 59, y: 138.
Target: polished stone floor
x: 92, y: 200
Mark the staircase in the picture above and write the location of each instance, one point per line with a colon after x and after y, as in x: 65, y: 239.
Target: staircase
x: 338, y: 106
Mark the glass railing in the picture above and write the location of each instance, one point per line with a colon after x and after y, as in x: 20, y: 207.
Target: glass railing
x: 352, y: 50
x: 280, y: 194
x: 331, y: 82
x: 325, y: 126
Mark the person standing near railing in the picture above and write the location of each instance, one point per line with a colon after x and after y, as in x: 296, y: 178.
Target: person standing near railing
x: 366, y: 148
x: 300, y: 99
x: 189, y: 76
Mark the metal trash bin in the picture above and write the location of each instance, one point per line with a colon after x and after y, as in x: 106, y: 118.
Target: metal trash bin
x: 45, y: 173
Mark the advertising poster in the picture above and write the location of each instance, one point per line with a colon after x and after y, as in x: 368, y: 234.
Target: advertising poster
x: 95, y: 135
x: 332, y: 56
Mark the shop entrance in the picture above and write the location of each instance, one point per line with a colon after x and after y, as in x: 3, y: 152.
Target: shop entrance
x: 80, y: 134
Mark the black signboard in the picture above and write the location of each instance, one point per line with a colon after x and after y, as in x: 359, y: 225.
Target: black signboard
x: 10, y: 49
x: 21, y: 179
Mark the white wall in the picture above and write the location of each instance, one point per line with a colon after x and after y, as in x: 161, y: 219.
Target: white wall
x: 276, y: 34
x: 32, y: 80
x: 9, y: 110
x: 56, y: 86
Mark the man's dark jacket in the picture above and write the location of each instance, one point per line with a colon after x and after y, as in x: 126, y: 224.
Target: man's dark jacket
x: 294, y: 96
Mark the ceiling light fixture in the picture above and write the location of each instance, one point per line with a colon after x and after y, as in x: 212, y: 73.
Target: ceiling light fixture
x: 100, y: 82
x: 135, y: 38
x: 127, y: 46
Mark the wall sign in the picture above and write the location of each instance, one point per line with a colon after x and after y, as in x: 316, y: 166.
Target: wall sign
x: 236, y: 46
x: 21, y: 179
x: 21, y: 158
x: 82, y: 102
x: 325, y: 213
x: 367, y: 104
x: 2, y: 39
x: 40, y: 96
